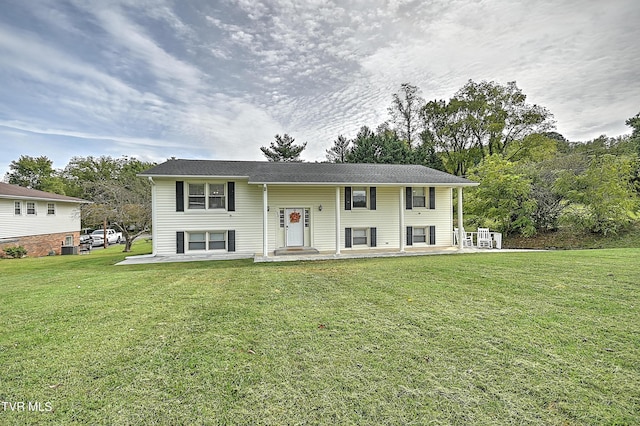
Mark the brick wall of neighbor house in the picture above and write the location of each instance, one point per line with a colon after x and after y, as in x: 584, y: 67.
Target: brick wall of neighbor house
x: 41, y: 245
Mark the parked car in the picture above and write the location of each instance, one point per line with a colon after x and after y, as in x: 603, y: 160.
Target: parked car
x: 113, y: 237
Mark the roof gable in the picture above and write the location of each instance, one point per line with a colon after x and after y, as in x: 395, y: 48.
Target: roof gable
x: 260, y: 172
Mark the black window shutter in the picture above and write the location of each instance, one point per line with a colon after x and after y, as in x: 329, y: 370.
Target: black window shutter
x: 372, y: 198
x: 231, y: 196
x: 347, y: 237
x: 432, y: 235
x: 374, y: 236
x: 409, y: 198
x: 347, y: 198
x: 409, y: 235
x: 432, y: 197
x: 179, y: 196
x: 179, y: 242
x: 231, y: 244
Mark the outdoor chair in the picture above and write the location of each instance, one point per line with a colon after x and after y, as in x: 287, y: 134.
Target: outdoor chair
x: 467, y: 239
x: 484, y: 238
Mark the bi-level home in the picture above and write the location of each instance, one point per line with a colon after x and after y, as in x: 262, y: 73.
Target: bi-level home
x: 41, y: 222
x: 270, y: 208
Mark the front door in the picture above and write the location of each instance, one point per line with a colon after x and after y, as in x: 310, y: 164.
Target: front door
x: 295, y: 227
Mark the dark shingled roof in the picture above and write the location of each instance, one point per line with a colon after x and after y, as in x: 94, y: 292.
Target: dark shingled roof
x: 307, y: 173
x: 15, y: 191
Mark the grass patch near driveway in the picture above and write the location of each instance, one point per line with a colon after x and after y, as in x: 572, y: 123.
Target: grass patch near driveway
x: 522, y: 338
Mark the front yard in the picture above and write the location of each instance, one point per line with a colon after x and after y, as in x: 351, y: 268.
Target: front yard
x: 533, y: 338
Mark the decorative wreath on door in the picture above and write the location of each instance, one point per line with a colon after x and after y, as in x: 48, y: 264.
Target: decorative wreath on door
x: 294, y: 217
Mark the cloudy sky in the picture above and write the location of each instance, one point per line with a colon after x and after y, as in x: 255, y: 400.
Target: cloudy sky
x: 217, y: 79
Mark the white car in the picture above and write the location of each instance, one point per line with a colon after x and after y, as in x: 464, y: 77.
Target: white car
x: 113, y: 237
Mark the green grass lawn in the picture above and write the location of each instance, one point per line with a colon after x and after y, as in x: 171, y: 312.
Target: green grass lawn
x: 509, y: 338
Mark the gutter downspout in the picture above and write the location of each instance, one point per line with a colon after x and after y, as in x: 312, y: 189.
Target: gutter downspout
x: 265, y: 220
x: 337, y: 220
x: 460, y: 221
x: 402, y: 206
x: 154, y: 237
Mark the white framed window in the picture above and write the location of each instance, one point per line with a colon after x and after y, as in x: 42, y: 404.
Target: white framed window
x: 360, y: 237
x: 17, y: 208
x: 196, y: 196
x: 206, y: 196
x: 68, y: 240
x: 217, y: 241
x: 419, y: 199
x: 281, y: 218
x: 51, y: 209
x: 207, y: 240
x: 197, y: 241
x: 419, y: 235
x: 359, y: 197
x: 307, y: 214
x: 216, y: 196
x: 31, y: 208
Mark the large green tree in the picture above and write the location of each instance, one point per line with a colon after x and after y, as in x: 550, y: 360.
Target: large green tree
x: 283, y: 149
x: 503, y: 199
x: 118, y: 195
x: 482, y: 119
x: 35, y: 173
x: 601, y: 199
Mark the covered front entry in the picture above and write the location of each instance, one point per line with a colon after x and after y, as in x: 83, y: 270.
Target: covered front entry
x: 294, y: 223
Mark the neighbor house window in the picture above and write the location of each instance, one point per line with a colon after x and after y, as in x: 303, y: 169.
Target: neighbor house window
x: 419, y: 199
x: 217, y: 241
x: 359, y: 196
x: 419, y: 235
x: 359, y: 237
x: 51, y: 208
x: 68, y: 240
x: 197, y: 241
x: 31, y: 207
x: 196, y: 196
x: 17, y: 208
x: 216, y: 196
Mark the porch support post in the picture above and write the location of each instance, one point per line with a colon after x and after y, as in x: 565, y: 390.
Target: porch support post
x: 337, y: 220
x: 460, y: 229
x: 401, y: 206
x: 265, y: 220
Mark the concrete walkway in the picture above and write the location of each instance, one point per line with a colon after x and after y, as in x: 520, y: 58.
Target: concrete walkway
x: 355, y: 254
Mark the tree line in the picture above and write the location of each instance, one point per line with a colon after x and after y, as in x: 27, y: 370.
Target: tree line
x: 532, y: 179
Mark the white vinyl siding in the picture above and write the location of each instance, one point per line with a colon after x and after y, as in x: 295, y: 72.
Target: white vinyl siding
x: 319, y: 231
x: 246, y: 220
x: 66, y: 219
x: 440, y: 217
x: 385, y: 218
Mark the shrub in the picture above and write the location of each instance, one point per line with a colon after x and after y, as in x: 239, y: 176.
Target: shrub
x: 15, y: 252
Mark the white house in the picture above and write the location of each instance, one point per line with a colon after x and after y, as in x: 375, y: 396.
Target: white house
x: 272, y: 208
x: 39, y: 221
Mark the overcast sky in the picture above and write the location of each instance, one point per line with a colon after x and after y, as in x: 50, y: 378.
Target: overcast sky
x: 217, y: 79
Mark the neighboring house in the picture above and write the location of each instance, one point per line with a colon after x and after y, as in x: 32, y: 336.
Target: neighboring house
x: 39, y: 221
x: 270, y: 208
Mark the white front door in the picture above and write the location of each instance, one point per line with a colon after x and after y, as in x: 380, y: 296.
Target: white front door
x: 294, y: 219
